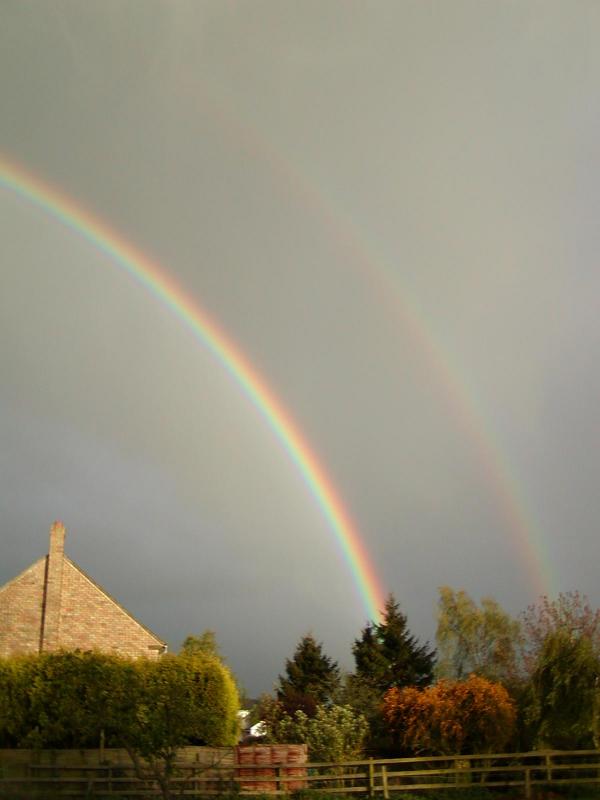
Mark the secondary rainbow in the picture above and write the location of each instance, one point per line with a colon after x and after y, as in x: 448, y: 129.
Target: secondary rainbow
x: 159, y: 283
x: 400, y: 303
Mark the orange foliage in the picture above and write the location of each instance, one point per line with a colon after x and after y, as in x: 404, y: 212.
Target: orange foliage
x: 451, y: 717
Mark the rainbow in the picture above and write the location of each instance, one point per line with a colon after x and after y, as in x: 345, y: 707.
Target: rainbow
x: 467, y: 413
x: 155, y: 279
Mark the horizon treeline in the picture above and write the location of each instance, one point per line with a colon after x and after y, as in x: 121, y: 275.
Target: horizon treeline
x: 492, y: 681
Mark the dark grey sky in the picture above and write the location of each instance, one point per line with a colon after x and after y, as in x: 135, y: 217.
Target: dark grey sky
x: 392, y: 209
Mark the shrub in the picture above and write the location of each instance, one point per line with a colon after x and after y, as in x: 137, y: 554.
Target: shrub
x: 335, y: 733
x: 58, y: 699
x: 66, y: 699
x: 472, y: 716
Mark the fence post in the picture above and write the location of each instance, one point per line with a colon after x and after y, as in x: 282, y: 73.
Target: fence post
x: 371, y: 778
x: 528, y: 782
x: 386, y: 794
x: 548, y: 767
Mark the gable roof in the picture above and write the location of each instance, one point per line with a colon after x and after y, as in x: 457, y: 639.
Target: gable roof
x: 89, y: 579
x: 22, y: 573
x: 109, y: 597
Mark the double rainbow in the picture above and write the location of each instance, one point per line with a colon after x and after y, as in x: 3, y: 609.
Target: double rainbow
x: 458, y: 392
x: 155, y: 279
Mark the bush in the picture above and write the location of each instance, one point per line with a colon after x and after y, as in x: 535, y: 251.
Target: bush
x: 335, y: 733
x: 59, y: 699
x: 451, y: 717
x: 180, y: 700
x: 66, y: 699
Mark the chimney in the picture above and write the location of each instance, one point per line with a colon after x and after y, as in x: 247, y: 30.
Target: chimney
x: 53, y: 589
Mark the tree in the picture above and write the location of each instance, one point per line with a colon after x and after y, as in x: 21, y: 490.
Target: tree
x: 311, y: 678
x: 570, y: 612
x: 372, y: 663
x: 451, y: 717
x: 205, y: 644
x: 361, y: 696
x: 483, y: 641
x: 335, y: 733
x: 387, y: 655
x: 563, y: 691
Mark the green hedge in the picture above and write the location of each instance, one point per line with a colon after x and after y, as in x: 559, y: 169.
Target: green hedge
x: 66, y: 699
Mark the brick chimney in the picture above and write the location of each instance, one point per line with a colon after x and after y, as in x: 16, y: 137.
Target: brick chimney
x: 53, y: 589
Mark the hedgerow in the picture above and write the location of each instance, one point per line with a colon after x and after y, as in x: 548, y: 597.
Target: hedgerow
x: 67, y: 699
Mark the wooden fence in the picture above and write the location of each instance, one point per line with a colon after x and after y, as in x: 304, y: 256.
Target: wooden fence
x: 522, y: 773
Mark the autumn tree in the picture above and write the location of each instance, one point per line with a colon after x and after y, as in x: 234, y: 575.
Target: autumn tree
x: 470, y: 639
x: 451, y: 717
x: 388, y: 655
x: 311, y: 678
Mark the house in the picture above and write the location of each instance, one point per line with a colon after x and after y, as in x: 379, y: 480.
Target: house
x: 55, y: 605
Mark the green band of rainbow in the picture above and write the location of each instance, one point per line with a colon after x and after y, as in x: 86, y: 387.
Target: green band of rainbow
x: 155, y: 279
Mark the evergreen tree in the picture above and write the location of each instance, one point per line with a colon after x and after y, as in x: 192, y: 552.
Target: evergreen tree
x: 387, y: 655
x: 311, y: 678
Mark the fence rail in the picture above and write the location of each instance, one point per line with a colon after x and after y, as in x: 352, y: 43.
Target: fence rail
x: 382, y: 777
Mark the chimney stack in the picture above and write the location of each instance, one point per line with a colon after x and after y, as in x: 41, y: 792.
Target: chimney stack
x: 50, y: 638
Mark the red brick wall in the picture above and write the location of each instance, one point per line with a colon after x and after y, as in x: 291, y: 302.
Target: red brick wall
x: 21, y: 611
x: 258, y: 761
x: 89, y: 620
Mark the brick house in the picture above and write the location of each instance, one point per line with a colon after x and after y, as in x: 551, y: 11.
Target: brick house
x: 54, y: 605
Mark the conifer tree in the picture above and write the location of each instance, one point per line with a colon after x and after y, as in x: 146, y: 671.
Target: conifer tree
x: 311, y: 679
x: 387, y: 655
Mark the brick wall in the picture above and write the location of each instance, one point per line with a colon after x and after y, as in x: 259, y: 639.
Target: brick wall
x: 55, y: 605
x: 53, y: 589
x: 265, y: 761
x: 21, y: 611
x: 90, y: 619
